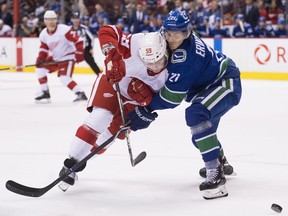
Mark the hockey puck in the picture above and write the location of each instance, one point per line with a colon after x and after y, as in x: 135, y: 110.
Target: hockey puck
x: 276, y: 208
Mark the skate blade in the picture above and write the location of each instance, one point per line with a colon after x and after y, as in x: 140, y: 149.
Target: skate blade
x: 232, y: 174
x: 219, y: 192
x: 64, y: 186
x: 43, y: 101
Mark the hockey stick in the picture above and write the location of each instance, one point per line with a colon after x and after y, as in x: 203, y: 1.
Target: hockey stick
x: 32, y: 65
x: 37, y: 192
x: 143, y: 154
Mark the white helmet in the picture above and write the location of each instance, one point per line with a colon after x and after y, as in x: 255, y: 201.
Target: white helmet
x: 50, y: 14
x: 153, y: 47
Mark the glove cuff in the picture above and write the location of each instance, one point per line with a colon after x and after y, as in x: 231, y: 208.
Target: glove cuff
x: 106, y: 47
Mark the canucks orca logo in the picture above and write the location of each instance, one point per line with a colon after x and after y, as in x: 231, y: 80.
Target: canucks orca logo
x: 178, y: 56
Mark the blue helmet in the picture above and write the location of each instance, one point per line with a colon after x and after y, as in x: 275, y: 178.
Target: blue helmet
x: 177, y: 21
x: 262, y: 19
x: 281, y: 21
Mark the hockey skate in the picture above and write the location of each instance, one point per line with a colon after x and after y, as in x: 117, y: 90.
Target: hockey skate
x: 214, y: 185
x: 43, y: 97
x: 80, y: 96
x: 228, y: 169
x: 70, y: 180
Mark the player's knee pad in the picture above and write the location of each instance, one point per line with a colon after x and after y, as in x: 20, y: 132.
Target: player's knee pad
x: 103, y: 138
x: 198, y: 118
x: 41, y: 72
x: 65, y: 80
x: 99, y: 119
x: 87, y: 134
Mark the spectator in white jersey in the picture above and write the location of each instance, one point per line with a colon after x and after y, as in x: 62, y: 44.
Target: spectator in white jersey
x: 65, y: 49
x: 5, y: 30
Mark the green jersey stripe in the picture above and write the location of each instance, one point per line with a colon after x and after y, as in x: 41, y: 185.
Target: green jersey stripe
x: 173, y: 97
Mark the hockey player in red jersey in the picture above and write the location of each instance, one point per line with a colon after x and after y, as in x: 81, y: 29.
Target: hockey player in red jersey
x: 141, y: 60
x: 58, y: 45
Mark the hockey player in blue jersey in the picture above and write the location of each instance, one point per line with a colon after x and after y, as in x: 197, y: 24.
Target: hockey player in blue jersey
x: 242, y: 29
x: 207, y: 79
x: 263, y: 29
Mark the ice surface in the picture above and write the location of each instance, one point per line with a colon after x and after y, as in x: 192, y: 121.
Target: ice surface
x: 35, y: 140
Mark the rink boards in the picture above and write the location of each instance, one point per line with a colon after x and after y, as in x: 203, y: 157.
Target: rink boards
x: 256, y: 58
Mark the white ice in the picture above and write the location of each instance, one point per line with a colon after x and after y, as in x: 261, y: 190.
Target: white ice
x: 35, y: 141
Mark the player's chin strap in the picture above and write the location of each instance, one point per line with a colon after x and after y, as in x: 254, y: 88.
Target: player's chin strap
x: 33, y: 65
x: 143, y: 154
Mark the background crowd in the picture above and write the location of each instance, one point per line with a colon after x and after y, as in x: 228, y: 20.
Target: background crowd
x: 210, y: 18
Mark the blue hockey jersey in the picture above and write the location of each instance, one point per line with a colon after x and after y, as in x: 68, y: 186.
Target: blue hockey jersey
x: 192, y: 67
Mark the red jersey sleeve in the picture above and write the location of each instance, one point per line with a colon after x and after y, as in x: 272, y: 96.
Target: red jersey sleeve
x: 113, y: 35
x: 76, y: 39
x: 109, y: 34
x: 43, y: 51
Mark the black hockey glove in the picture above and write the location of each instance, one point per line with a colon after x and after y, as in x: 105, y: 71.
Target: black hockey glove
x: 141, y: 118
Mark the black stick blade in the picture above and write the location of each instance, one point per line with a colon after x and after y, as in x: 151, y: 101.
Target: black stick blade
x: 139, y: 158
x: 23, y: 190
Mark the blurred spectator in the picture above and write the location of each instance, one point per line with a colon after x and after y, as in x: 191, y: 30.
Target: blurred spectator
x: 54, y: 5
x: 23, y: 30
x: 241, y: 28
x: 158, y: 22
x: 191, y: 9
x: 104, y: 22
x: 262, y: 9
x: 40, y: 25
x: 25, y: 9
x: 121, y: 24
x: 32, y: 20
x: 137, y: 18
x: 146, y: 27
x: 203, y: 29
x: 40, y: 9
x: 227, y: 6
x: 251, y: 13
x: 82, y: 8
x: 97, y: 19
x: 100, y: 11
x: 198, y: 15
x: 281, y: 31
x: 273, y: 12
x: 170, y: 5
x: 85, y: 20
x: 213, y: 12
x: 5, y: 30
x: 151, y: 4
x: 127, y: 9
x: 178, y: 5
x: 115, y: 14
x: 126, y: 30
x: 263, y: 29
x: 218, y: 31
x: 6, y: 16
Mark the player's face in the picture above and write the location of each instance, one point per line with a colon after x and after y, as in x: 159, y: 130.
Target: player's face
x: 50, y: 23
x: 158, y: 66
x: 174, y: 38
x: 75, y: 21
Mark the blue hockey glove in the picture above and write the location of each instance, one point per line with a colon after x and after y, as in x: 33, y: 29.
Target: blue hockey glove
x: 141, y: 118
